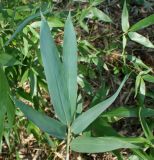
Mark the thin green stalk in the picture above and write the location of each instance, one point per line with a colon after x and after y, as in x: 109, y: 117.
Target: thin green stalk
x: 68, y: 143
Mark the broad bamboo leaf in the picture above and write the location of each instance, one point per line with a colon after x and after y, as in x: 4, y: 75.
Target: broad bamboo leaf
x: 125, y: 18
x: 70, y: 62
x: 54, y: 72
x: 86, y: 118
x: 8, y: 60
x: 134, y: 36
x: 143, y: 23
x: 101, y: 15
x: 23, y: 24
x: 100, y: 144
x: 45, y: 123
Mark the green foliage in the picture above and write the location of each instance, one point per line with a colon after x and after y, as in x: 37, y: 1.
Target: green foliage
x: 81, y: 114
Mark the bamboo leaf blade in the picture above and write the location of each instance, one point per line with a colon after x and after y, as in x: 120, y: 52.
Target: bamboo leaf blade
x: 143, y: 23
x: 136, y: 37
x: 54, y: 74
x: 99, y: 144
x: 23, y: 24
x: 70, y: 62
x: 86, y: 118
x: 125, y: 18
x: 45, y: 123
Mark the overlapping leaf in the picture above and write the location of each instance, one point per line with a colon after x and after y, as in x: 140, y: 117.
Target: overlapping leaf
x: 55, y: 75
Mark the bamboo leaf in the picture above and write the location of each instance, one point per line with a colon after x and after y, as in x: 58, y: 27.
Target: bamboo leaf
x: 70, y: 62
x: 125, y: 18
x: 101, y: 15
x: 143, y: 23
x: 23, y: 24
x: 54, y: 74
x: 45, y: 123
x: 134, y: 36
x: 86, y: 118
x: 100, y: 144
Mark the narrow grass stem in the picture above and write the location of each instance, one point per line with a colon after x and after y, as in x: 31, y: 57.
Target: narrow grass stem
x: 68, y: 143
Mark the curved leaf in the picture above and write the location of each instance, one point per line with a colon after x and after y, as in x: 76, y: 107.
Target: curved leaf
x: 86, y: 118
x: 23, y: 24
x: 143, y: 23
x: 54, y: 74
x: 45, y: 123
x: 100, y: 144
x: 70, y: 62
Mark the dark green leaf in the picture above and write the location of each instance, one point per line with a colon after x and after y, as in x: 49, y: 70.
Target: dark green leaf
x: 143, y: 23
x: 8, y: 60
x: 23, y: 24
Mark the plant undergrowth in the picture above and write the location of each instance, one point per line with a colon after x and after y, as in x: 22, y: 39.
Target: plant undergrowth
x: 82, y: 74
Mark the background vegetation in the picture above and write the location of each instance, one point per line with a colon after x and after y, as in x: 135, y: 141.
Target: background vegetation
x: 110, y: 45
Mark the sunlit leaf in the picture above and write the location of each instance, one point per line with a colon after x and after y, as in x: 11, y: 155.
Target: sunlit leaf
x: 134, y: 36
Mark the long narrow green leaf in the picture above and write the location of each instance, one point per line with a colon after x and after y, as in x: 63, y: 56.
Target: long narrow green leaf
x: 7, y: 111
x: 23, y: 24
x: 100, y: 144
x: 54, y: 74
x: 128, y: 111
x: 125, y: 18
x: 143, y: 23
x: 45, y: 123
x: 8, y: 60
x: 134, y: 36
x: 86, y: 118
x: 70, y: 62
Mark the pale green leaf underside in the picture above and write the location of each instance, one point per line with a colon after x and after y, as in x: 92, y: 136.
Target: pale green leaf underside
x: 45, y: 123
x: 125, y: 18
x: 99, y: 144
x: 70, y: 62
x: 136, y: 37
x: 86, y: 118
x: 54, y: 73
